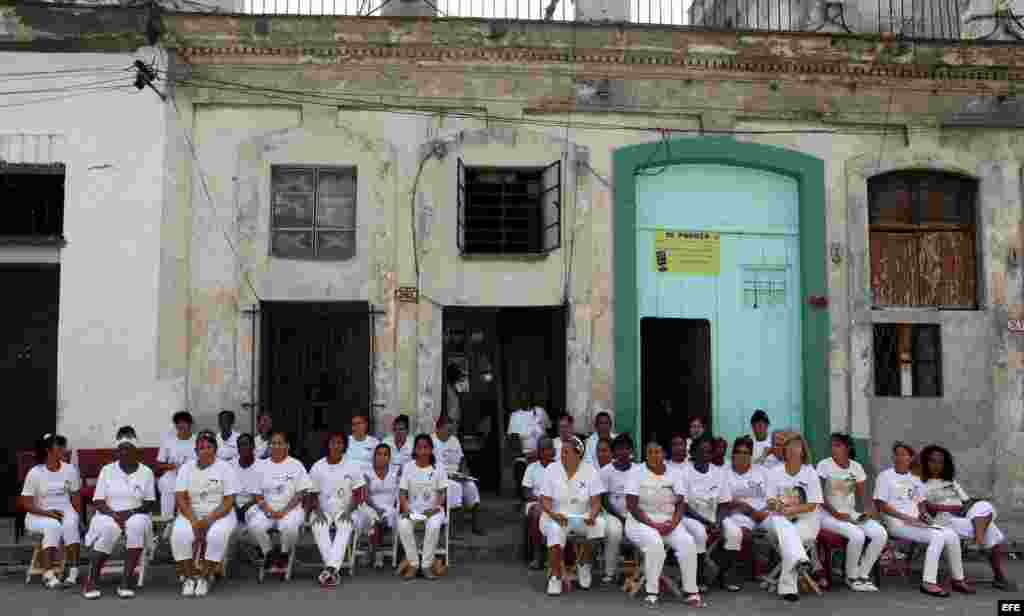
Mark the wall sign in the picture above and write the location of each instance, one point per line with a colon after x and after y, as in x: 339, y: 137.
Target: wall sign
x: 1016, y: 326
x: 408, y: 295
x: 687, y: 252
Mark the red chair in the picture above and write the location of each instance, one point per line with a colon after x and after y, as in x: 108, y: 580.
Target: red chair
x: 827, y: 544
x: 90, y: 463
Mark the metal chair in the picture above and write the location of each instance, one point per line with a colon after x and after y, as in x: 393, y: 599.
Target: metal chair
x: 115, y: 566
x: 286, y: 572
x: 444, y: 544
x: 35, y: 565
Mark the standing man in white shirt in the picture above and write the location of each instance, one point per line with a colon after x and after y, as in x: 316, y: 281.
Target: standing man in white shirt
x: 602, y: 429
x: 527, y: 426
x: 615, y: 477
x: 361, y: 445
x: 760, y: 424
x: 227, y: 438
x: 175, y: 451
x: 400, y: 443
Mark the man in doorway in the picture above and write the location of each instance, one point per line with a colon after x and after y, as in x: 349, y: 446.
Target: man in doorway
x: 759, y: 423
x: 602, y: 430
x: 453, y: 408
x: 227, y: 438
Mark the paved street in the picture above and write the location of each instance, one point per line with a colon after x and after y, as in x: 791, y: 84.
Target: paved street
x: 506, y: 588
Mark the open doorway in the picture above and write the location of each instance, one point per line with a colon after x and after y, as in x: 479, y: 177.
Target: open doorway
x: 675, y: 376
x: 509, y: 358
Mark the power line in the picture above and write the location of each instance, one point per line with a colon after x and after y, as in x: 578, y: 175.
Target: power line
x: 67, y: 88
x: 62, y: 74
x: 43, y: 101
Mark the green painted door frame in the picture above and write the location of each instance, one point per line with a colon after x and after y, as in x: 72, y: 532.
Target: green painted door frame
x: 809, y: 172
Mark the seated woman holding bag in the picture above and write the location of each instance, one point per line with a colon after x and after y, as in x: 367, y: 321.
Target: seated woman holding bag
x: 422, y: 493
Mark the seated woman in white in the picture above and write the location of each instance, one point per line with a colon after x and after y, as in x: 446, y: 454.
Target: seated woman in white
x: 206, y: 498
x: 704, y: 488
x: 533, y: 477
x: 175, y: 451
x: 654, y: 498
x: 571, y: 500
x: 246, y: 468
x: 971, y: 519
x: 400, y: 443
x: 461, y: 493
x: 678, y: 454
x: 382, y: 501
x: 124, y: 500
x: 748, y: 507
x: 603, y: 456
x: 421, y: 498
x: 844, y: 481
x: 340, y: 489
x: 52, y: 504
x: 794, y: 494
x: 900, y: 496
x: 279, y: 504
x: 616, y: 477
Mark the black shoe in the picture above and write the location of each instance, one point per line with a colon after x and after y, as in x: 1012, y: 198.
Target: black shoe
x: 792, y: 598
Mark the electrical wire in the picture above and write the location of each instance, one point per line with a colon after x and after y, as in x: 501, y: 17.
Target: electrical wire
x: 67, y: 88
x: 43, y: 101
x: 62, y: 74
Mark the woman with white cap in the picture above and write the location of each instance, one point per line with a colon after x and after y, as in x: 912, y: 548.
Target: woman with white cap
x: 570, y: 497
x: 283, y: 486
x: 125, y: 498
x: 52, y: 504
x: 206, y: 498
x: 421, y: 498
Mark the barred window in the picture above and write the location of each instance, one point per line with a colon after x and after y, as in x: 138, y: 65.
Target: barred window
x: 33, y: 198
x: 917, y: 346
x: 313, y: 213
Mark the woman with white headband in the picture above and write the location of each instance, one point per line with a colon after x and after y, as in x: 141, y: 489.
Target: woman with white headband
x: 124, y: 500
x: 53, y: 505
x: 571, y: 501
x: 206, y: 518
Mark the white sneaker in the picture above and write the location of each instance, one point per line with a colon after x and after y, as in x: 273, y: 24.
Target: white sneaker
x: 585, y: 577
x: 867, y: 585
x: 125, y: 593
x: 554, y: 586
x: 202, y: 587
x: 855, y: 585
x: 72, y: 578
x: 188, y: 588
x: 50, y: 580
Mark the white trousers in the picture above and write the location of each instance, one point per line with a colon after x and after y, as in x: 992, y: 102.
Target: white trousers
x: 260, y: 525
x: 860, y: 559
x: 937, y: 541
x: 217, y: 537
x: 462, y: 494
x: 964, y: 526
x: 732, y: 534
x: 556, y: 534
x: 697, y: 532
x: 55, y: 532
x: 431, y: 534
x: 104, y: 532
x: 653, y: 544
x: 791, y: 536
x: 333, y: 552
x: 613, y: 542
x: 166, y: 485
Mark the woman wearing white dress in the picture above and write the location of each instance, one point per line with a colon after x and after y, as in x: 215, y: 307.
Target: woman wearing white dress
x: 279, y: 505
x: 175, y: 451
x: 570, y: 496
x: 340, y: 489
x: 463, y: 493
x: 844, y: 481
x: 52, y: 504
x: 206, y: 498
x: 654, y: 497
x: 382, y: 498
x: 971, y: 519
x: 124, y: 499
x: 400, y: 443
x: 794, y: 494
x: 900, y: 496
x: 421, y: 498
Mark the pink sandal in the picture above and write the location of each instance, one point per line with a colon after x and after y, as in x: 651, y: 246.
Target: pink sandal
x: 695, y: 600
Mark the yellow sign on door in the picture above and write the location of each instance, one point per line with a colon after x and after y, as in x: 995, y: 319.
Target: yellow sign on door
x: 687, y: 252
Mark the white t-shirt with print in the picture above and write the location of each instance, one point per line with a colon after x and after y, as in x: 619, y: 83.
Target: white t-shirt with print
x: 783, y: 486
x: 422, y: 485
x: 399, y: 457
x: 946, y: 493
x: 841, y: 484
x: 174, y: 450
x: 571, y: 496
x: 124, y: 492
x: 448, y: 453
x: 248, y: 482
x: 677, y: 467
x: 335, y: 484
x: 750, y: 488
x: 206, y: 487
x: 281, y: 481
x: 361, y: 452
x: 384, y: 492
x: 657, y: 495
x: 615, y: 482
x: 901, y: 492
x: 704, y: 492
x: 227, y: 448
x: 533, y: 477
x: 52, y: 490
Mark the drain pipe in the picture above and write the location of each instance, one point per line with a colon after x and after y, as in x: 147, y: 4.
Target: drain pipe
x: 251, y: 312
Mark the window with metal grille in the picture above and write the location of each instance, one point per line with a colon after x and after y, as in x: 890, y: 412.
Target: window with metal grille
x: 917, y: 346
x: 504, y: 211
x: 33, y: 198
x: 923, y: 240
x: 313, y: 213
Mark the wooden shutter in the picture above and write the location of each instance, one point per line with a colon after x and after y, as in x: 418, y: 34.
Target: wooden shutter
x: 461, y: 204
x: 551, y: 206
x: 947, y: 269
x: 894, y: 269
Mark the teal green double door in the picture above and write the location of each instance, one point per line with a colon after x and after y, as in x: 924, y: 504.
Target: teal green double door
x: 718, y: 246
